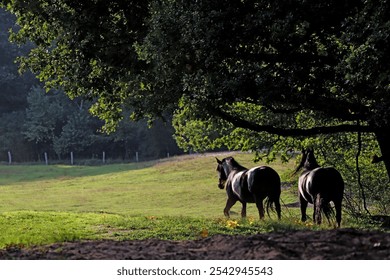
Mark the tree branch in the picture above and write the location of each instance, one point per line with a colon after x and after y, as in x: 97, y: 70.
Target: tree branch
x: 239, y: 122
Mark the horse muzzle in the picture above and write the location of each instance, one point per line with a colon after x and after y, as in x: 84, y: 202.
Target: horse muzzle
x: 221, y: 184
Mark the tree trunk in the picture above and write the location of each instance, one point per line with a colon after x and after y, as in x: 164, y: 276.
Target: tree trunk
x: 383, y: 138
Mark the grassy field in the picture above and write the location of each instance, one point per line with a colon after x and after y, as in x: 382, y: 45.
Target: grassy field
x: 185, y: 186
x: 176, y: 198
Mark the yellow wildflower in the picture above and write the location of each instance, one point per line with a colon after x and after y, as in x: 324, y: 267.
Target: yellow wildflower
x: 231, y: 224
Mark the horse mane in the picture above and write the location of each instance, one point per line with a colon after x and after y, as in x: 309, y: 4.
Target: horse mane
x: 308, y: 161
x: 234, y: 164
x: 302, y: 163
x: 311, y: 161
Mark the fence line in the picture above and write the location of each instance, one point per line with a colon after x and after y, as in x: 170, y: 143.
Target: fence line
x: 137, y: 158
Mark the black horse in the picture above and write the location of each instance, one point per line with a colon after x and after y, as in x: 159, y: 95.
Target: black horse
x: 319, y: 186
x: 249, y: 186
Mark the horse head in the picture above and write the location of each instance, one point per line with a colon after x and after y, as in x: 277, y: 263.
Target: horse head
x: 225, y: 167
x: 308, y: 160
x: 221, y: 173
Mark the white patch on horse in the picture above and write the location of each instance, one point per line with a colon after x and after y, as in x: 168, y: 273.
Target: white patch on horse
x: 236, y: 183
x: 250, y: 172
x: 304, y: 184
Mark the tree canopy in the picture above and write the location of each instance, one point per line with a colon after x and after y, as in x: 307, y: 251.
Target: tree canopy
x: 291, y: 68
x: 288, y: 68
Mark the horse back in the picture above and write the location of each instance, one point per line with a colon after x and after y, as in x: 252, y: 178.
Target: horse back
x: 327, y: 181
x: 263, y: 179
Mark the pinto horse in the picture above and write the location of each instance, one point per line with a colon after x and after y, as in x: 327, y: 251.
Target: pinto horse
x: 249, y: 186
x: 319, y: 186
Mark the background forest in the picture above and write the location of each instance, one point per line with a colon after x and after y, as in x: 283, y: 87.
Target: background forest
x: 33, y: 123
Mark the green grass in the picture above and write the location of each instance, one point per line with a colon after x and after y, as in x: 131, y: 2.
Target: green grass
x: 27, y: 228
x: 184, y: 186
x: 177, y: 198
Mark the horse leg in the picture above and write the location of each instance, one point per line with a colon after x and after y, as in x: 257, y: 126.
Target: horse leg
x: 260, y: 207
x: 229, y: 204
x: 243, y: 210
x: 303, y: 203
x: 337, y: 206
x: 278, y: 208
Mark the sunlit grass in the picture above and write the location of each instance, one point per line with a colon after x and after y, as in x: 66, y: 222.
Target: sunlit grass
x: 185, y: 185
x: 27, y: 228
x: 177, y: 199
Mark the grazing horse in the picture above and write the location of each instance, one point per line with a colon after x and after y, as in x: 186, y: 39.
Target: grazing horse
x: 249, y: 186
x: 319, y: 186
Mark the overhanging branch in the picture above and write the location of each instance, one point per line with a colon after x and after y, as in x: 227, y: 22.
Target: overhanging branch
x: 239, y: 122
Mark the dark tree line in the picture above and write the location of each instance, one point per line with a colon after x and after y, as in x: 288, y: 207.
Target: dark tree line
x: 33, y: 123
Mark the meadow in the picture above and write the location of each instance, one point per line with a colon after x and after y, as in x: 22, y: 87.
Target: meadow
x: 175, y: 198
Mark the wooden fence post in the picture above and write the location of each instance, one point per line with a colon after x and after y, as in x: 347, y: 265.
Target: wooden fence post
x: 46, y: 160
x: 9, y: 158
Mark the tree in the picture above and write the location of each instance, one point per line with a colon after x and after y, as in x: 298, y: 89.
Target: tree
x: 83, y: 47
x: 76, y: 135
x: 11, y: 137
x: 153, y: 141
x: 13, y: 86
x: 44, y: 118
x: 289, y: 68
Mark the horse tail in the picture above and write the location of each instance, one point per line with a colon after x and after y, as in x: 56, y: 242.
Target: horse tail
x: 317, y: 211
x: 328, y: 211
x: 322, y: 206
x: 268, y: 205
x: 273, y: 198
x: 273, y: 202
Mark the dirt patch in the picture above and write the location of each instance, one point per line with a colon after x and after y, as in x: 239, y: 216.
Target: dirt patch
x: 331, y: 244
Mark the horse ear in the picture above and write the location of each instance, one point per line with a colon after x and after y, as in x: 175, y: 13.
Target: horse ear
x: 219, y: 162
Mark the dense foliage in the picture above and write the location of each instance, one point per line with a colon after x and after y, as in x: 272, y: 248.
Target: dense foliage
x: 244, y: 74
x: 289, y: 68
x: 32, y: 123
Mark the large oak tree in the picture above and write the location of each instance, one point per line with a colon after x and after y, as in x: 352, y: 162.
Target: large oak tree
x: 233, y: 60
